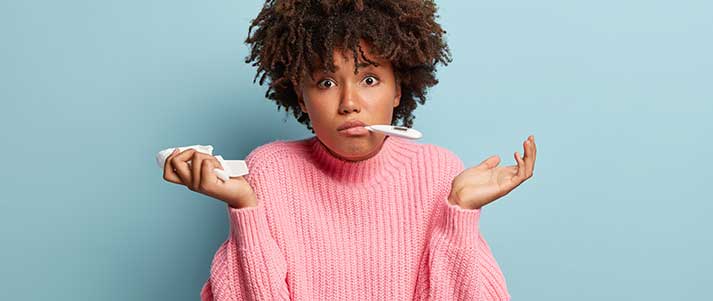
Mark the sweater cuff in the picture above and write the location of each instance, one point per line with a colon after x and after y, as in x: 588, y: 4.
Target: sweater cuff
x: 249, y: 226
x: 461, y: 226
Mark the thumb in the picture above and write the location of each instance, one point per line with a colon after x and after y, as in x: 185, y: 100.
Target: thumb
x: 207, y: 173
x: 490, y: 162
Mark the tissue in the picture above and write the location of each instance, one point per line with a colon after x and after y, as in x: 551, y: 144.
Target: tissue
x: 231, y: 168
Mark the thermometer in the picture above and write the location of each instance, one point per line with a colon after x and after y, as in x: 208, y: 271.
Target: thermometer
x: 394, y: 130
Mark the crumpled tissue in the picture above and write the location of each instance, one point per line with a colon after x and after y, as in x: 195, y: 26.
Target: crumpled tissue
x: 231, y: 168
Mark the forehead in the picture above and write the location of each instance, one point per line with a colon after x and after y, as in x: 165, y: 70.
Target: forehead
x: 344, y: 59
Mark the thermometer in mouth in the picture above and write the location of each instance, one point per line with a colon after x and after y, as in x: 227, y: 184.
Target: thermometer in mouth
x: 394, y: 130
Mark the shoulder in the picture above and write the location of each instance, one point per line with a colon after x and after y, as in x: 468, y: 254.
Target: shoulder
x: 441, y: 157
x: 271, y: 153
x: 268, y: 168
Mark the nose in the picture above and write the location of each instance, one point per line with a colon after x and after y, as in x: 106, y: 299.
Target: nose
x: 350, y: 100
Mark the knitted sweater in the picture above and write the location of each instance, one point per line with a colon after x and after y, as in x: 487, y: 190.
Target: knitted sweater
x: 377, y: 229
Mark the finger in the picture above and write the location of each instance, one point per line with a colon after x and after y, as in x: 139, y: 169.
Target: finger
x: 208, y: 178
x: 489, y: 163
x: 528, y: 157
x: 520, y: 167
x: 168, y: 173
x: 534, y: 153
x: 181, y: 166
x: 196, y: 166
x: 216, y: 163
x: 196, y: 162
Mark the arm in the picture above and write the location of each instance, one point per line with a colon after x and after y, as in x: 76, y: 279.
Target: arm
x: 249, y: 265
x: 456, y: 263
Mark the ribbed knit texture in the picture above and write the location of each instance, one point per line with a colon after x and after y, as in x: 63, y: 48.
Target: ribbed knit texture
x: 376, y: 229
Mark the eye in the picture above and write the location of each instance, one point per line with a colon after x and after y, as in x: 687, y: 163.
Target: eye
x: 371, y: 80
x: 325, y: 84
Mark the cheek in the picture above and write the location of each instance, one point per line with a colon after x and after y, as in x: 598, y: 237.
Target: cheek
x: 380, y: 99
x: 320, y: 104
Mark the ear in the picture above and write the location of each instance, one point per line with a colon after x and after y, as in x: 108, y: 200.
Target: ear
x: 397, y: 98
x: 300, y: 101
x: 302, y: 104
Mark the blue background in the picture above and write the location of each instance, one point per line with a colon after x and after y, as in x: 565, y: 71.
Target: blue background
x: 617, y: 94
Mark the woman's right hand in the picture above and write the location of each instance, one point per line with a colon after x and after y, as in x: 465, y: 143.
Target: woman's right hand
x: 198, y: 176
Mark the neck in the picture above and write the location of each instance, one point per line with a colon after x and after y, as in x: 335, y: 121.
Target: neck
x: 381, y: 165
x: 367, y: 156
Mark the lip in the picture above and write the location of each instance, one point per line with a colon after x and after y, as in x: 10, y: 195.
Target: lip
x: 350, y: 124
x: 355, y: 131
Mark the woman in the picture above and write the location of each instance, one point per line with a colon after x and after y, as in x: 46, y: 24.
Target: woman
x: 350, y: 214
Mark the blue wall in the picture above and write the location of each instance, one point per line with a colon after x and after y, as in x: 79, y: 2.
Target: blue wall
x: 616, y: 94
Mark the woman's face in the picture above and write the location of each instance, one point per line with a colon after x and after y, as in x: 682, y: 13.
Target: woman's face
x: 332, y: 99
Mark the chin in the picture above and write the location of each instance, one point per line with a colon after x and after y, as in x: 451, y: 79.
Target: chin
x: 358, y: 147
x: 354, y: 148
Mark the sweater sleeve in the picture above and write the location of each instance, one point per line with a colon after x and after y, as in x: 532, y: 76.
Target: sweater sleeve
x: 249, y: 265
x: 457, y: 263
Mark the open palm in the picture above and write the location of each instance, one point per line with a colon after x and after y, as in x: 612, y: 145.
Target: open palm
x: 482, y: 184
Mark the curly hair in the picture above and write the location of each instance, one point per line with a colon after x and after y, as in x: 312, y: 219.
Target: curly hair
x: 293, y: 38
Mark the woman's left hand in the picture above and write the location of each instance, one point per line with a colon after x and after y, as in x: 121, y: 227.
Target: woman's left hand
x: 479, y: 185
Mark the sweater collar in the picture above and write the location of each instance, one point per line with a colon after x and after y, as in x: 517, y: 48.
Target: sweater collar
x: 382, y: 167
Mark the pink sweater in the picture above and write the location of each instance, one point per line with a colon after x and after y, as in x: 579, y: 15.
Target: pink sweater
x: 377, y: 229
